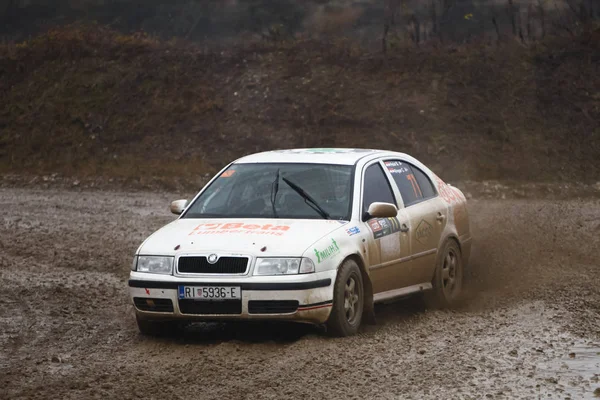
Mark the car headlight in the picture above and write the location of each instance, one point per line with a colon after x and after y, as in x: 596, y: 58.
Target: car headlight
x: 283, y: 266
x: 155, y: 264
x: 306, y: 266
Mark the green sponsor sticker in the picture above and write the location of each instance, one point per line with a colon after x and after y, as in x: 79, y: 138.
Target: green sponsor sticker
x: 327, y: 252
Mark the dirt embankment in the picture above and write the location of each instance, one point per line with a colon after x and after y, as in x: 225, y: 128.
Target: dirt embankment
x: 87, y: 102
x: 530, y: 327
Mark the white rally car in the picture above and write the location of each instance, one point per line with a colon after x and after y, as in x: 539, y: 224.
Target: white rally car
x: 310, y: 235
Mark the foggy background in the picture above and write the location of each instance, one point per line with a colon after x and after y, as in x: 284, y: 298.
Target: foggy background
x: 416, y: 21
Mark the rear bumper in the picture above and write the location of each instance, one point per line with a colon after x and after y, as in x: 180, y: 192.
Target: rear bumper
x: 303, y: 298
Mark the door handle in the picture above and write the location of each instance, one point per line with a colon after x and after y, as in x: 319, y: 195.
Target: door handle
x: 404, y: 228
x: 440, y: 216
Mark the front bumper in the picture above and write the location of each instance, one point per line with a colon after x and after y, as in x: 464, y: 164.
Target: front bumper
x: 303, y: 298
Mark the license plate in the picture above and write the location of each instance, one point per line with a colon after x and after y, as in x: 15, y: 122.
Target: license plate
x: 210, y: 292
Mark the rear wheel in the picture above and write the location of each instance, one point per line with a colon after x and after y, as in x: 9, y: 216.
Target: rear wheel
x: 156, y: 328
x: 448, y: 279
x: 348, y: 301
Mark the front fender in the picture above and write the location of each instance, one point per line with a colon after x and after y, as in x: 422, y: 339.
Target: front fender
x: 331, y: 250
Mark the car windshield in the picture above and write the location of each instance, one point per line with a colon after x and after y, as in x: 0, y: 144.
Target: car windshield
x: 299, y: 191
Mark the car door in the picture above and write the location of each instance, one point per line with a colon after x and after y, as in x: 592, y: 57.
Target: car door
x: 427, y: 216
x: 388, y: 247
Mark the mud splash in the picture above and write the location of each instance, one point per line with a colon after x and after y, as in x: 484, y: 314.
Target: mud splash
x: 576, y: 374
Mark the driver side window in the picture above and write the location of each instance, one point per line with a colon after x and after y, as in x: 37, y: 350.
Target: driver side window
x: 376, y: 187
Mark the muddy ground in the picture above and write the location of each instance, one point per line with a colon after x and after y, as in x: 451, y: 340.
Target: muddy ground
x: 530, y: 327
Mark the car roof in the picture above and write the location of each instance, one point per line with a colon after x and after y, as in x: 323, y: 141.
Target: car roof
x: 340, y: 156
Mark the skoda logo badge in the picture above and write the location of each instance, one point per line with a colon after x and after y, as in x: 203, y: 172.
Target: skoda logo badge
x: 212, y: 259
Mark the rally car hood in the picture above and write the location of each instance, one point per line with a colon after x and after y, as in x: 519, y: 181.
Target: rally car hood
x: 266, y: 237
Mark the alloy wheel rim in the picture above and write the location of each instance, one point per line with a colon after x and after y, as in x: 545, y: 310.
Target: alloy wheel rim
x: 351, y: 299
x: 450, y: 271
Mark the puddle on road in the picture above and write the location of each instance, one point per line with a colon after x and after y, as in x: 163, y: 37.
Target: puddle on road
x: 577, y: 373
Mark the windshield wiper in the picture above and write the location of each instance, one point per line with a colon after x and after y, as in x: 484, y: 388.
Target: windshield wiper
x: 274, y: 190
x: 307, y: 198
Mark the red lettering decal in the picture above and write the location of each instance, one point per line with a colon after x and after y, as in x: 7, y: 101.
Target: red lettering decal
x: 251, y: 226
x: 211, y: 226
x: 458, y: 193
x: 267, y: 226
x: 195, y: 229
x: 445, y: 191
x: 280, y: 228
x: 233, y: 225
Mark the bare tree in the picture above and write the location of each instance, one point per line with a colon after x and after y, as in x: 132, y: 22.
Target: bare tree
x: 445, y: 7
x: 529, y: 18
x: 580, y: 11
x: 390, y: 8
x: 434, y: 18
x: 494, y: 12
x: 511, y: 9
x: 415, y: 25
x: 542, y: 12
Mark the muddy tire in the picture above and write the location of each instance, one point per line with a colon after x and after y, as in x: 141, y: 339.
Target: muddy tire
x: 156, y: 328
x: 448, y: 278
x: 348, y: 301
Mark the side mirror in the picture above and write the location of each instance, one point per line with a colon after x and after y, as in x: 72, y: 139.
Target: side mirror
x: 381, y: 210
x: 178, y: 206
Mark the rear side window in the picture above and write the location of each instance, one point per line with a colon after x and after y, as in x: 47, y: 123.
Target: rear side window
x: 377, y: 187
x: 413, y: 184
x: 425, y: 184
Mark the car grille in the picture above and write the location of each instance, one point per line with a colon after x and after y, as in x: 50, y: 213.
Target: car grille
x: 272, y: 306
x: 188, y: 306
x: 156, y: 305
x: 200, y: 265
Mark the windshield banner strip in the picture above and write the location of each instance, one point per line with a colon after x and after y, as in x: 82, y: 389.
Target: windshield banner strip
x: 245, y: 285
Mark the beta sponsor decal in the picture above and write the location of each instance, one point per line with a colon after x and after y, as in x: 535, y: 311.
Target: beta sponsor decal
x: 353, y: 231
x: 327, y: 252
x: 240, y: 227
x: 423, y: 232
x: 384, y: 226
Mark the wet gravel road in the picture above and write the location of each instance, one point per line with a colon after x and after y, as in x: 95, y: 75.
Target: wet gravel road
x: 529, y: 328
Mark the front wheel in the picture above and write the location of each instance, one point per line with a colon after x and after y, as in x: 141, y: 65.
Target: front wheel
x: 348, y: 301
x: 448, y: 279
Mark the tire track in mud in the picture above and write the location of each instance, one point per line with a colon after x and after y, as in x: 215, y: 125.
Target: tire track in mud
x: 530, y: 325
